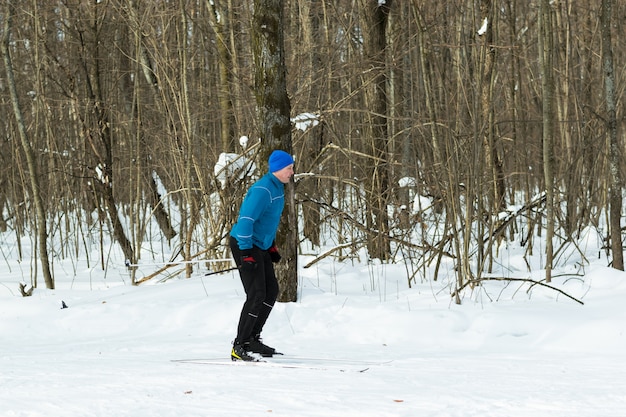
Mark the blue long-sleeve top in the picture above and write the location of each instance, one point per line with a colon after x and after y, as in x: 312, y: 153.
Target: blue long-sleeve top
x: 260, y: 213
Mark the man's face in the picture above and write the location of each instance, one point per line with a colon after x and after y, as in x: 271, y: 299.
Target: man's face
x: 285, y: 174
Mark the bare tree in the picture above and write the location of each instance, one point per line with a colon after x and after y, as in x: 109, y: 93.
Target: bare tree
x: 309, y: 67
x: 488, y: 75
x: 34, y: 178
x: 219, y: 19
x: 375, y: 15
x: 614, y: 150
x: 546, y: 47
x: 145, y: 66
x: 98, y: 133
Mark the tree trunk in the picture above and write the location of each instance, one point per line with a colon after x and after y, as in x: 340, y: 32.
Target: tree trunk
x: 614, y: 150
x: 274, y: 110
x: 488, y: 58
x: 100, y: 137
x: 311, y: 16
x: 219, y: 19
x: 375, y: 17
x: 146, y: 66
x: 546, y: 48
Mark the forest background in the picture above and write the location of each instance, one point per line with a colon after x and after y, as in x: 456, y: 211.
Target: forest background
x: 435, y: 131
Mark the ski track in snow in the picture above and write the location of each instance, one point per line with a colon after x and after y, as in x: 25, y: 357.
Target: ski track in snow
x: 122, y: 385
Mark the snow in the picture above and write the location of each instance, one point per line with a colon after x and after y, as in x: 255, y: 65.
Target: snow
x: 421, y: 203
x: 305, y: 121
x: 483, y: 28
x: 407, y: 182
x: 508, y: 349
x: 243, y: 141
x: 98, y: 346
x: 232, y: 165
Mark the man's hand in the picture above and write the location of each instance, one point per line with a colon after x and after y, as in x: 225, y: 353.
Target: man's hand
x: 274, y: 254
x: 248, y: 263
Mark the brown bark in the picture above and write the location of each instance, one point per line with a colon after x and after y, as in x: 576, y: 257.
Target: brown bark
x: 274, y: 109
x: 615, y: 151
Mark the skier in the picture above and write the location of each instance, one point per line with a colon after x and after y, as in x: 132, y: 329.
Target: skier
x: 253, y: 246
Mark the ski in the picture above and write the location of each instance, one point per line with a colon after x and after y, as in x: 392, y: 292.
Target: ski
x: 294, y: 363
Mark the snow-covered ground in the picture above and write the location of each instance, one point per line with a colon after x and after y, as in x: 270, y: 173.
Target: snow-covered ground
x: 508, y: 350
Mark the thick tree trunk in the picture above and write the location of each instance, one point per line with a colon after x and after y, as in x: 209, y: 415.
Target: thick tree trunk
x: 375, y: 17
x: 274, y: 110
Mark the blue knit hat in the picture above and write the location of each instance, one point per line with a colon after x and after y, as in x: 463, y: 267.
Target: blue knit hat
x: 279, y: 160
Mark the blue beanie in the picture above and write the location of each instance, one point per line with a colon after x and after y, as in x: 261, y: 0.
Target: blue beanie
x: 279, y: 160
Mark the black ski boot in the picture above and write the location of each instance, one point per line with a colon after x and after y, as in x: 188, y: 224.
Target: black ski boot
x: 257, y: 346
x: 240, y: 353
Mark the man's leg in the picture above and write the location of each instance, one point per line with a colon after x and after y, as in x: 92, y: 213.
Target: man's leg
x: 271, y: 293
x: 254, y: 285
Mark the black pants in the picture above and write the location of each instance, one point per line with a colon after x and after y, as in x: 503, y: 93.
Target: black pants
x: 261, y: 289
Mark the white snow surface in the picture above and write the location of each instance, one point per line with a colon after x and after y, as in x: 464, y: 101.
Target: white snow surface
x: 508, y: 349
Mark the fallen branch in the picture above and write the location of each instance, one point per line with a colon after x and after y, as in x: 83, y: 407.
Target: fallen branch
x: 504, y: 223
x: 166, y: 267
x: 477, y: 281
x: 329, y: 252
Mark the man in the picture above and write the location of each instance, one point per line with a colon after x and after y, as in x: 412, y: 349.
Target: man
x: 253, y: 246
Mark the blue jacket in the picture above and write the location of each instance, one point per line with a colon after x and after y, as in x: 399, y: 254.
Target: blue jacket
x: 260, y: 213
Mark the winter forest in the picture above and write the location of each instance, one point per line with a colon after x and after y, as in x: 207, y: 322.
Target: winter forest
x: 424, y: 132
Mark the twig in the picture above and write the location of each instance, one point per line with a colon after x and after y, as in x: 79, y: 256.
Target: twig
x: 234, y: 268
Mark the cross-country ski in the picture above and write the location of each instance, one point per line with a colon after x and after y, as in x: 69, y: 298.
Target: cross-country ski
x: 320, y: 364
